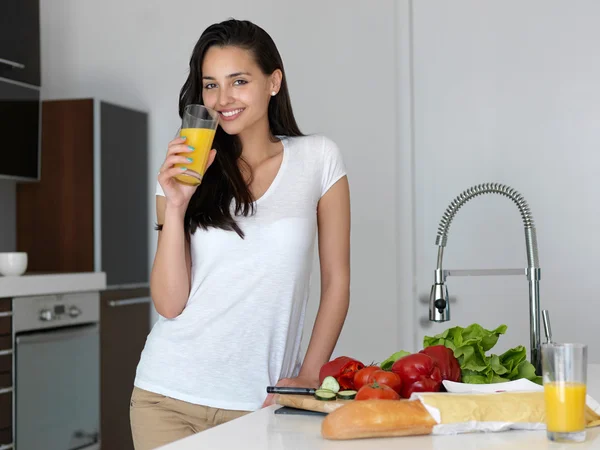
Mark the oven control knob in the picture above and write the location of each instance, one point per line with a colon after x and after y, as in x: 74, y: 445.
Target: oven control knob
x: 74, y: 311
x: 46, y: 315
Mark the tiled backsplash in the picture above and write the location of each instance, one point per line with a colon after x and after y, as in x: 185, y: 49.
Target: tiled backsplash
x: 8, y: 216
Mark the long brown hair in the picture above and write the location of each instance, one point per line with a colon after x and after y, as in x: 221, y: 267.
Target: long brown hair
x: 210, y: 206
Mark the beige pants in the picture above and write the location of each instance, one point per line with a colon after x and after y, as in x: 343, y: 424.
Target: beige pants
x: 158, y: 420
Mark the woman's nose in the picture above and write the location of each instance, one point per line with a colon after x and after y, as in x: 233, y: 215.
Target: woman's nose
x: 224, y: 97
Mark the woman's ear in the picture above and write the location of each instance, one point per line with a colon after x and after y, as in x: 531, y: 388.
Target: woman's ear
x: 276, y: 78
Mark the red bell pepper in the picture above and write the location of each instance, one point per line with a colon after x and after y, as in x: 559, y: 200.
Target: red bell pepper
x: 445, y: 360
x: 419, y: 373
x: 342, y: 369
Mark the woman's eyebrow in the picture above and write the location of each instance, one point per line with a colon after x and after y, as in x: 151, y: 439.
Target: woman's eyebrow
x: 233, y: 75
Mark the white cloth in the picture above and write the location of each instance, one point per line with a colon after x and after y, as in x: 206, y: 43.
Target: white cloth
x: 241, y: 328
x: 521, y: 385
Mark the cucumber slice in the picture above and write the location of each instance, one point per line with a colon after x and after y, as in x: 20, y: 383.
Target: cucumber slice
x: 324, y: 394
x: 346, y: 395
x: 330, y: 384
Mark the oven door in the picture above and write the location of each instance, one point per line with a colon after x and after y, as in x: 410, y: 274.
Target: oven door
x: 57, y: 389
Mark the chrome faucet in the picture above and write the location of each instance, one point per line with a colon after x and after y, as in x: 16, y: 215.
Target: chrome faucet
x: 439, y: 304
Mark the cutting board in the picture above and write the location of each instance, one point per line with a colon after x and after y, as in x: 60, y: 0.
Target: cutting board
x: 309, y: 403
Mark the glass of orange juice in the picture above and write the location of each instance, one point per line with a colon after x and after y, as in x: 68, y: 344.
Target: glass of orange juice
x: 564, y: 368
x: 199, y: 125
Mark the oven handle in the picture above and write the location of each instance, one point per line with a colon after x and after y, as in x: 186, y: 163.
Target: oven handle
x: 58, y: 335
x: 6, y: 447
x: 130, y: 301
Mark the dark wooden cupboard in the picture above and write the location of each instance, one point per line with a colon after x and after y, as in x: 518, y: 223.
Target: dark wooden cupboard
x: 89, y: 212
x: 124, y: 325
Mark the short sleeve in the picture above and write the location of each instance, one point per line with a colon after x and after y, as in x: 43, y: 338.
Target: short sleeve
x: 159, y: 190
x: 333, y: 165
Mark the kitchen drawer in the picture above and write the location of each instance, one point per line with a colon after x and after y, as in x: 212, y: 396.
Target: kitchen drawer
x: 6, y: 436
x: 5, y: 325
x: 5, y: 342
x: 6, y: 353
x: 5, y: 401
x: 5, y: 316
x: 5, y: 304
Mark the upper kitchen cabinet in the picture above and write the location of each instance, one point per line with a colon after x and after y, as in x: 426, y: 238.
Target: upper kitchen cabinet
x: 20, y: 41
x: 89, y: 212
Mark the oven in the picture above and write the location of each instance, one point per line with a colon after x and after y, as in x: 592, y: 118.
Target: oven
x: 57, y: 369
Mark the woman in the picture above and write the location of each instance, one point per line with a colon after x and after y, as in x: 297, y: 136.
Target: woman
x: 231, y: 272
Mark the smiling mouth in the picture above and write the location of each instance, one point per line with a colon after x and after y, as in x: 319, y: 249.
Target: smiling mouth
x: 232, y: 114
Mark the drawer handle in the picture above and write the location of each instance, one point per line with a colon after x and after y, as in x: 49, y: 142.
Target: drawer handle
x: 13, y: 64
x: 6, y: 390
x: 6, y: 352
x: 6, y: 314
x: 131, y: 301
x: 6, y: 447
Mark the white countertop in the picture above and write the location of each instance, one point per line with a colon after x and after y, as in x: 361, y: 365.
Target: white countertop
x: 265, y: 430
x: 33, y: 284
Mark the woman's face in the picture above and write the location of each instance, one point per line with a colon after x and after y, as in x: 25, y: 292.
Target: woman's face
x: 234, y: 85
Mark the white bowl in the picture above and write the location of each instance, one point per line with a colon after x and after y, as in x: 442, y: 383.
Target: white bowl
x: 13, y: 263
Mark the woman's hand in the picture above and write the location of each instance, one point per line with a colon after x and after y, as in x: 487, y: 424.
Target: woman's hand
x: 179, y: 194
x: 299, y: 381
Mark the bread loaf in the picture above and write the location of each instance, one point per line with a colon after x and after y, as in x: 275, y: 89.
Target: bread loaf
x: 377, y: 418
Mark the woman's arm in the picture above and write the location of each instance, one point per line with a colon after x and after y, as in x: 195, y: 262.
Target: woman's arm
x: 333, y: 215
x: 171, y: 271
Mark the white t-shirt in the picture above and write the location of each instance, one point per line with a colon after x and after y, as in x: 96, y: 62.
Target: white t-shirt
x: 242, y: 325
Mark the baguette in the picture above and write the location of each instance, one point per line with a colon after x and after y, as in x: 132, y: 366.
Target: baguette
x: 377, y: 418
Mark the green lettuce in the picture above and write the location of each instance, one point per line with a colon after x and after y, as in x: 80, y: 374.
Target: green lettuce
x: 388, y: 363
x: 470, y: 345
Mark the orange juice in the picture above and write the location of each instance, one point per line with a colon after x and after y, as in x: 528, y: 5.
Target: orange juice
x: 565, y: 407
x: 201, y: 139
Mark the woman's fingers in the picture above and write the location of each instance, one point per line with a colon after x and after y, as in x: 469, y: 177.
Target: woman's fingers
x: 167, y: 174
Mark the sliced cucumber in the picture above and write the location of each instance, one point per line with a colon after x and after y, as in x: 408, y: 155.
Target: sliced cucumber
x: 330, y: 384
x: 346, y: 395
x: 324, y: 394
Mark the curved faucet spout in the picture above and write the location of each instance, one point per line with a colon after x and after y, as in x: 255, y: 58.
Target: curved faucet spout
x: 439, y: 304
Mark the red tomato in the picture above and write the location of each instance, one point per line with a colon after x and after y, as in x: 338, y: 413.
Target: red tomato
x: 375, y: 390
x: 362, y: 376
x: 386, y: 378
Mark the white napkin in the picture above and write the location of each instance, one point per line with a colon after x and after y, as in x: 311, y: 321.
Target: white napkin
x: 521, y: 385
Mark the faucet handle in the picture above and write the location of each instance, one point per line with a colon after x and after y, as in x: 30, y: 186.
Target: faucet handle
x: 547, y: 329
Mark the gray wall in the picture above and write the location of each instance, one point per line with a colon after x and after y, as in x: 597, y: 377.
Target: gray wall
x: 341, y: 64
x: 457, y: 93
x: 8, y: 216
x: 507, y: 91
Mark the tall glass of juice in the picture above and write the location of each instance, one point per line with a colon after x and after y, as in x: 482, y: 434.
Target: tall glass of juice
x: 564, y: 369
x: 199, y: 125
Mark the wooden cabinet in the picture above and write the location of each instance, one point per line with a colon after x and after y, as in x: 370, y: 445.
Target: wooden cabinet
x: 89, y: 212
x: 20, y: 41
x: 124, y: 325
x: 6, y: 364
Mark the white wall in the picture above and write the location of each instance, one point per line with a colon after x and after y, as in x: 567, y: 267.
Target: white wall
x: 457, y: 93
x: 341, y: 62
x: 508, y: 91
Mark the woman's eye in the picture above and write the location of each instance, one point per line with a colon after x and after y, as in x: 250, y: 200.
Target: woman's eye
x: 239, y: 82
x: 209, y: 86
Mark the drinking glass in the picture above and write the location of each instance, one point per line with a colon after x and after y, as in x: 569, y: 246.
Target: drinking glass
x: 564, y: 368
x: 199, y: 125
